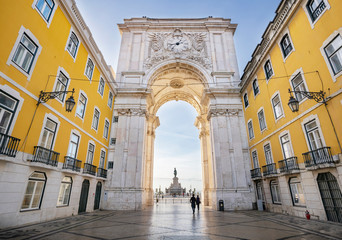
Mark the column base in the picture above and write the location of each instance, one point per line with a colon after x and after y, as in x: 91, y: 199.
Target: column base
x: 234, y: 199
x: 122, y: 199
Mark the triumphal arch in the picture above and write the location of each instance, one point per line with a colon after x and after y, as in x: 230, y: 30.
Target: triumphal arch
x: 192, y: 60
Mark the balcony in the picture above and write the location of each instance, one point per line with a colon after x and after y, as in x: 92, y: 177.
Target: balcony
x: 256, y: 173
x: 44, y: 155
x: 89, y: 169
x: 269, y: 169
x: 72, y: 164
x: 317, y: 157
x: 102, y: 172
x: 8, y: 145
x: 289, y: 164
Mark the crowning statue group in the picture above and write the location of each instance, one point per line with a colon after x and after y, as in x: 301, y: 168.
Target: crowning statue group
x: 195, y: 201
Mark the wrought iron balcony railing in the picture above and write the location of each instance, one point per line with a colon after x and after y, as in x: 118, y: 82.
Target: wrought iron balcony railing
x: 45, y: 155
x: 90, y: 169
x: 256, y: 173
x: 102, y: 172
x: 8, y: 145
x: 269, y: 169
x: 318, y: 156
x: 72, y: 163
x: 315, y: 14
x: 288, y: 164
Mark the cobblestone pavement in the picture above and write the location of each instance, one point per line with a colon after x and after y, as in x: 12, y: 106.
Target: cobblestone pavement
x: 174, y: 222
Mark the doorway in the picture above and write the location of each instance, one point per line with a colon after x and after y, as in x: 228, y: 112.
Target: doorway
x: 84, y: 196
x: 331, y: 196
x: 97, y: 195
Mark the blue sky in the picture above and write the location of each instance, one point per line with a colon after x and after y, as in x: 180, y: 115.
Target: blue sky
x: 177, y: 143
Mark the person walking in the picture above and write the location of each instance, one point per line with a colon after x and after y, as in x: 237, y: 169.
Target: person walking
x: 193, y: 203
x: 198, y: 202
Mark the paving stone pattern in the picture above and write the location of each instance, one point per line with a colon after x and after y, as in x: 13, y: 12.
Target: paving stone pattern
x: 176, y: 222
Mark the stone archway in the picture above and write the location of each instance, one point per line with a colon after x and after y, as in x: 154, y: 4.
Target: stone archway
x: 153, y: 69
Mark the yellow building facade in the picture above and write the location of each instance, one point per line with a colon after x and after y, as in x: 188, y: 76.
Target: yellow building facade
x: 53, y: 162
x: 296, y: 155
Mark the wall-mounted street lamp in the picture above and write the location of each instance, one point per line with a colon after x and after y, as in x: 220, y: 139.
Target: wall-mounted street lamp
x: 46, y: 96
x: 317, y: 96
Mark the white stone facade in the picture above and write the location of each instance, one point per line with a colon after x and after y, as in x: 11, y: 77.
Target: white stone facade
x: 192, y: 60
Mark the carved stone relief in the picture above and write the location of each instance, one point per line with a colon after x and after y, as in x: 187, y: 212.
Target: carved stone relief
x: 191, y: 46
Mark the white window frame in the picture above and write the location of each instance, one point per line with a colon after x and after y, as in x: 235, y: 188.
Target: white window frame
x: 98, y: 122
x: 110, y: 92
x: 9, y: 62
x: 255, y: 80
x: 63, y: 71
x: 280, y: 46
x: 309, y: 119
x: 51, y: 14
x: 322, y: 49
x: 312, y: 24
x: 271, y: 152
x: 87, y: 160
x: 104, y: 127
x: 277, y: 191
x: 77, y: 133
x: 58, y: 123
x: 249, y: 136
x: 34, y: 190
x: 85, y: 70
x: 85, y: 108
x: 13, y: 93
x: 297, y: 181
x: 104, y: 161
x: 301, y: 72
x: 262, y: 109
x: 281, y: 106
x: 63, y: 193
x: 257, y: 157
x: 263, y: 68
x: 283, y: 133
x: 79, y: 43
x: 104, y: 86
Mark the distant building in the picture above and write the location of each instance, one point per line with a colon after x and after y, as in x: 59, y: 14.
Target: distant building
x: 53, y: 163
x: 296, y: 156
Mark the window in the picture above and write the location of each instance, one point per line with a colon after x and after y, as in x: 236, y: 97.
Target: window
x: 259, y: 191
x: 298, y: 85
x: 82, y: 101
x: 102, y: 159
x: 262, y: 122
x: 106, y: 129
x: 286, y: 46
x: 61, y: 85
x: 255, y: 87
x: 245, y: 99
x: 73, y: 145
x: 110, y: 165
x: 277, y: 108
x: 89, y: 69
x: 250, y: 129
x: 49, y: 133
x: 25, y: 53
x: 315, y: 8
x: 286, y: 146
x: 110, y: 99
x: 45, y: 7
x: 34, y: 191
x: 334, y: 54
x: 101, y: 86
x: 112, y: 141
x: 90, y: 154
x: 268, y: 154
x: 275, y: 192
x: 255, y: 159
x: 115, y: 119
x: 64, y: 192
x: 268, y: 69
x: 73, y: 44
x: 96, y: 118
x: 296, y: 192
x: 8, y: 106
x: 313, y: 135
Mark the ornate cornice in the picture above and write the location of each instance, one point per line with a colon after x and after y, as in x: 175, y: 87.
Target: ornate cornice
x: 223, y: 112
x: 131, y: 112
